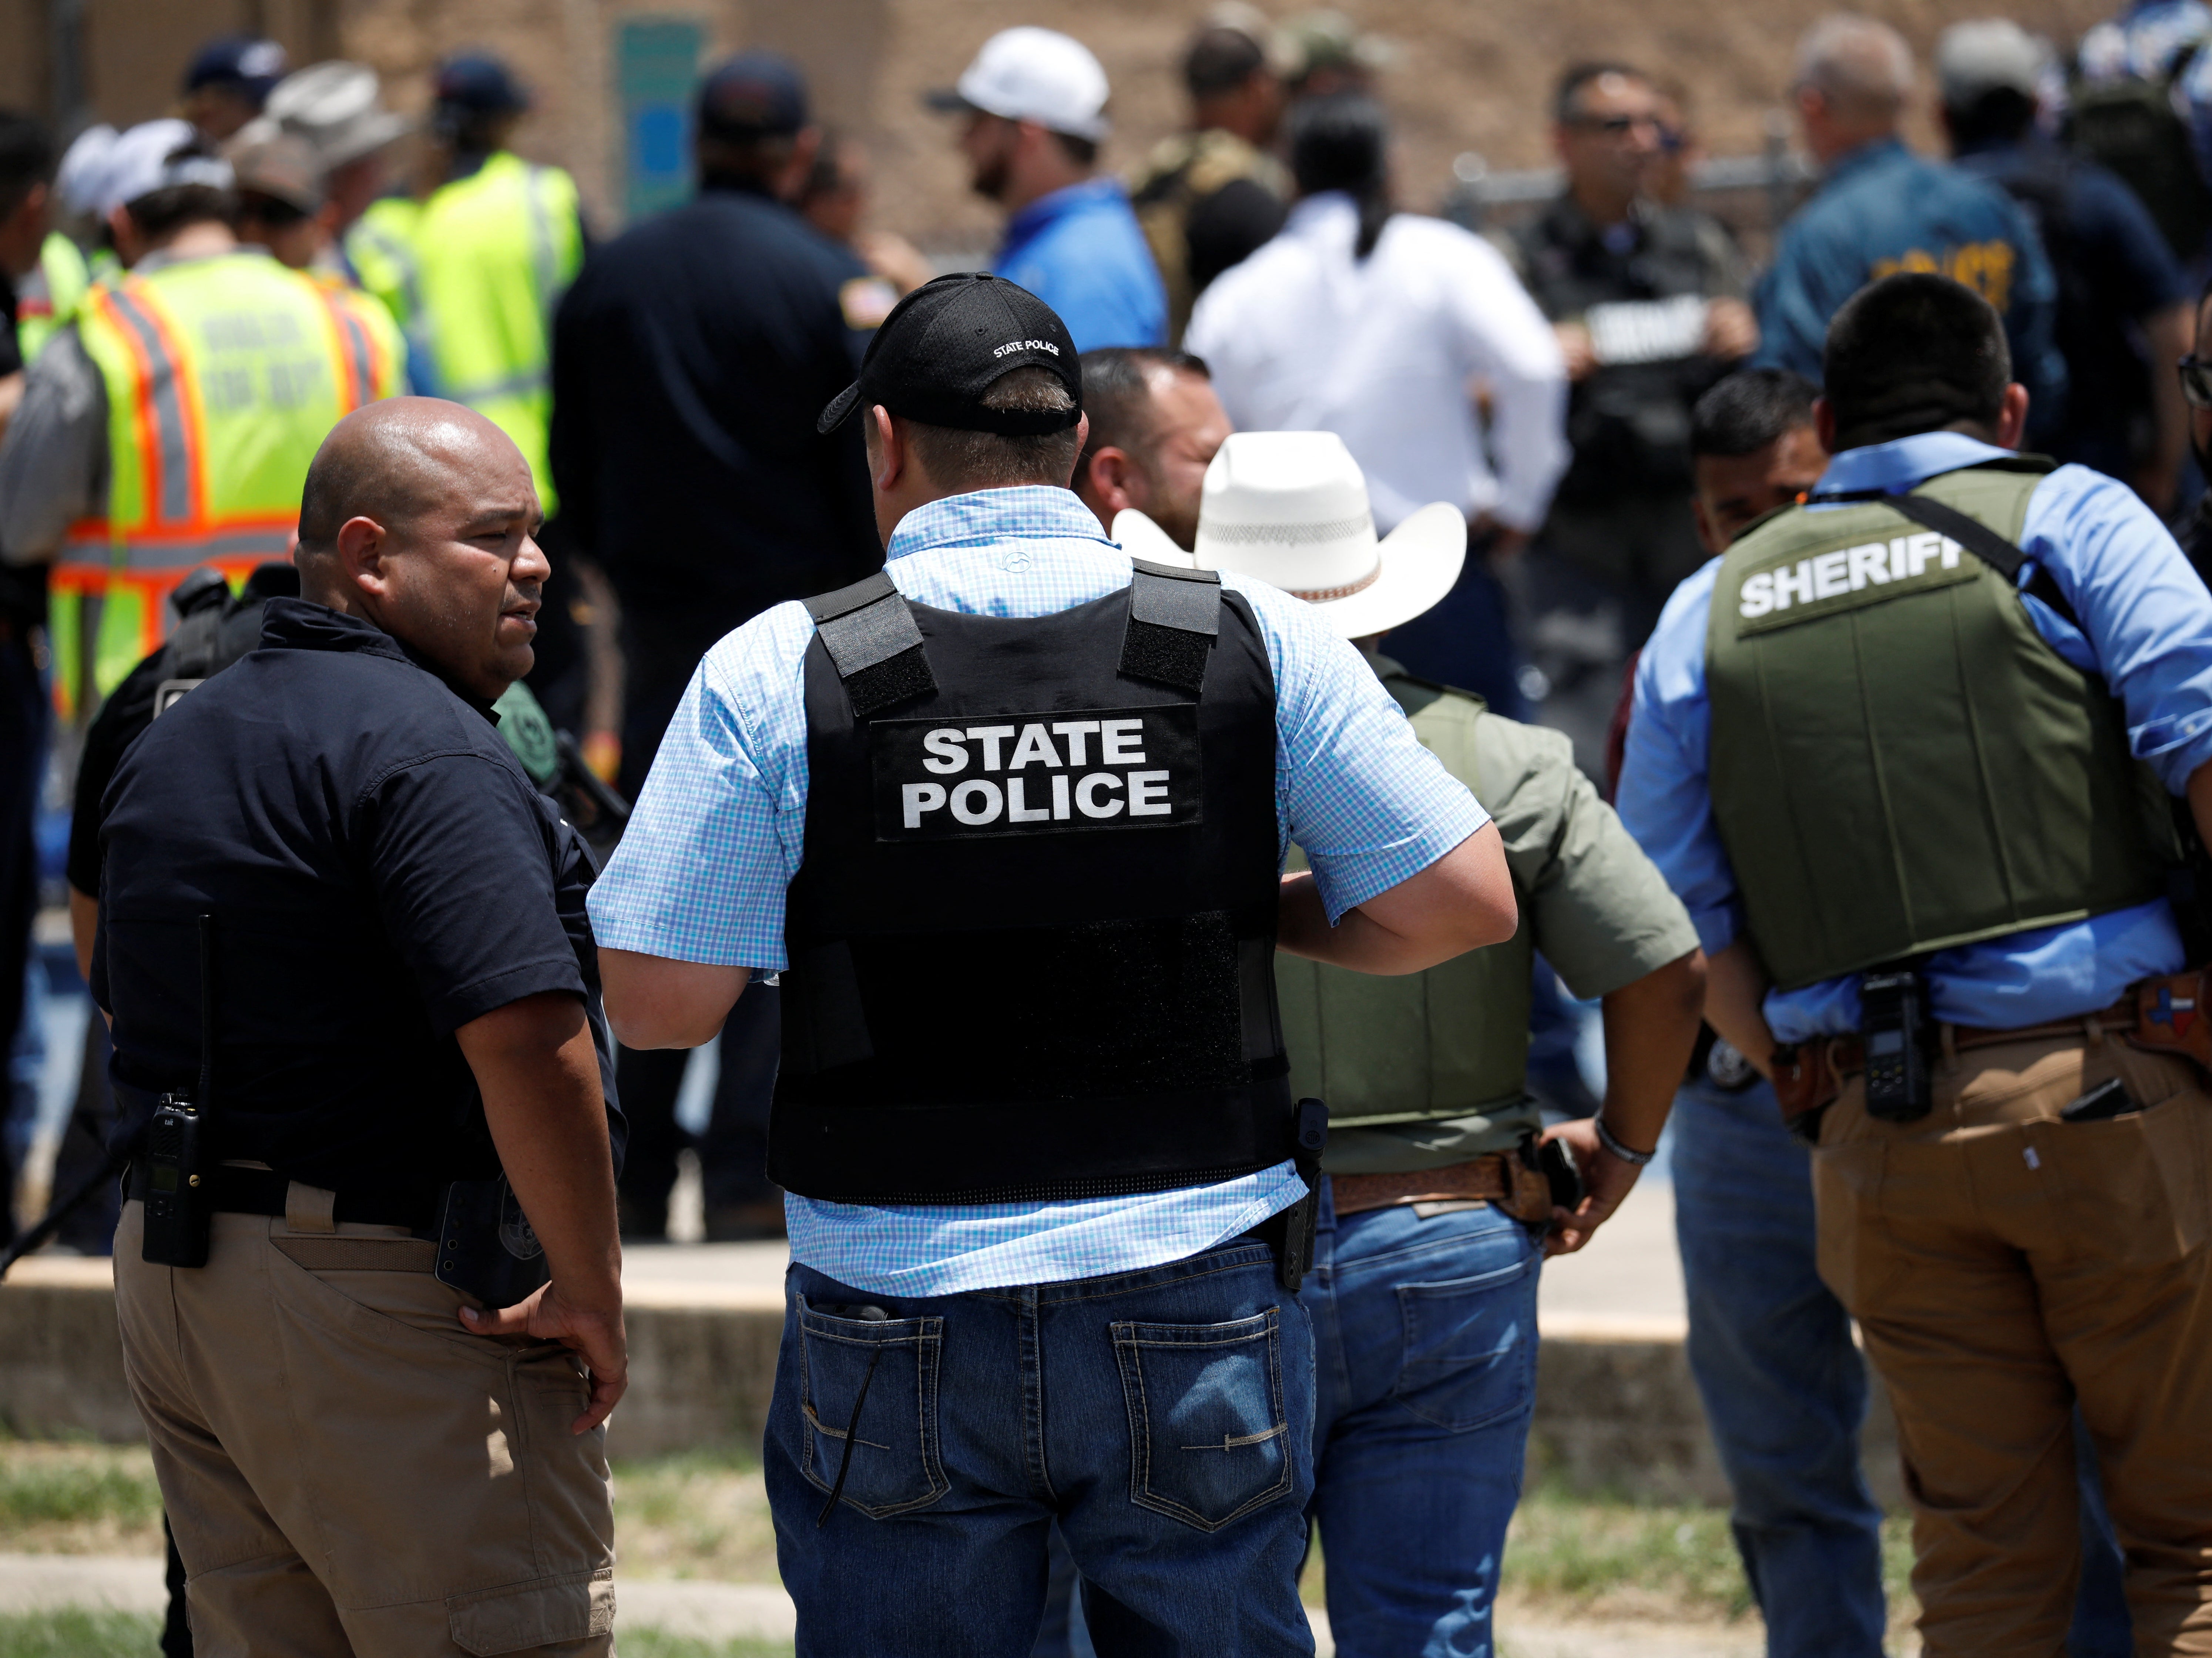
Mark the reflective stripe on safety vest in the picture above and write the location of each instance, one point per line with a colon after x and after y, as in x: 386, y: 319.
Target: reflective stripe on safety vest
x: 222, y: 376
x: 51, y: 295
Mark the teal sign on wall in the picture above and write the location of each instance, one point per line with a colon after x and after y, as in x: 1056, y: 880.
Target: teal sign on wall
x: 657, y: 72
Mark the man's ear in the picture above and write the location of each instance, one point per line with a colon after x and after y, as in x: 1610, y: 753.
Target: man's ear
x: 1824, y: 423
x: 888, y: 459
x: 1706, y: 538
x: 1115, y: 481
x: 2012, y: 416
x: 363, y: 551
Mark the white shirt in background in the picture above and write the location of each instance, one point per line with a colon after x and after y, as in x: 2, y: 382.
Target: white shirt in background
x: 1384, y: 351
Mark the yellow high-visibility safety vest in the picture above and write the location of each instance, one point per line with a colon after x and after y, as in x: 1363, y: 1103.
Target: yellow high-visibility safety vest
x: 472, y: 276
x: 51, y: 295
x: 223, y: 376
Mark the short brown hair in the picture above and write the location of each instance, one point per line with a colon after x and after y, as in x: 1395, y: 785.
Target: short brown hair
x: 989, y: 460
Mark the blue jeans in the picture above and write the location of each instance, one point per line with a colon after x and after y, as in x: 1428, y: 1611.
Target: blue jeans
x: 1425, y: 1349
x: 1163, y: 1418
x: 1785, y: 1392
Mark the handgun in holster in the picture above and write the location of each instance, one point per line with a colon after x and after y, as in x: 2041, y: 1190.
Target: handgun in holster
x: 1290, y: 1232
x: 179, y: 1198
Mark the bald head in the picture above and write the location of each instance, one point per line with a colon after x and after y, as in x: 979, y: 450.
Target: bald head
x: 419, y: 516
x: 391, y: 461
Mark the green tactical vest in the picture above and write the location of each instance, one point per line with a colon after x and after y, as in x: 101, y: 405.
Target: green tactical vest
x: 1452, y: 1042
x: 1900, y: 763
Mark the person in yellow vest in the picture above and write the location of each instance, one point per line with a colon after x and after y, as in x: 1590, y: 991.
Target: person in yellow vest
x: 171, y: 424
x: 473, y: 268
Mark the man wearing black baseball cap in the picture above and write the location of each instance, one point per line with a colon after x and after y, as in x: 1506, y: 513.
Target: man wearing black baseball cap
x: 1007, y: 818
x: 665, y: 368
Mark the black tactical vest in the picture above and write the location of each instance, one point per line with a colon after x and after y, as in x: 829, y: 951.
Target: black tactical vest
x: 1032, y: 938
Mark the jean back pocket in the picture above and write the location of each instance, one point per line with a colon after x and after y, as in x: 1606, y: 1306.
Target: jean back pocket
x: 1470, y: 1353
x: 1209, y: 1441
x: 871, y: 1385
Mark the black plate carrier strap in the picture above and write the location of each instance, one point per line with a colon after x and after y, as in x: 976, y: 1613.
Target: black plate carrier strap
x: 875, y: 643
x: 1174, y: 616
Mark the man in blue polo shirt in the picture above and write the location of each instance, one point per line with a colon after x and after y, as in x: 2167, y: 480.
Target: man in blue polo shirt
x: 1036, y: 107
x: 1912, y: 753
x: 1881, y: 208
x: 1046, y: 1210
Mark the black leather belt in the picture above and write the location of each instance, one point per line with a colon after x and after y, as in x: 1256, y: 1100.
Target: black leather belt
x: 262, y: 1191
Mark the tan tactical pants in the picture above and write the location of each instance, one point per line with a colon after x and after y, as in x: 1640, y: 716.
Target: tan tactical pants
x: 348, y: 1471
x: 2002, y: 1265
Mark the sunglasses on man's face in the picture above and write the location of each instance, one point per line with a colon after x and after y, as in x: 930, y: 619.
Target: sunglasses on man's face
x: 1613, y: 126
x: 2196, y: 382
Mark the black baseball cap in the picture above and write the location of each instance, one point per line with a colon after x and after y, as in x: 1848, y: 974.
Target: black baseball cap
x: 755, y: 95
x: 944, y: 346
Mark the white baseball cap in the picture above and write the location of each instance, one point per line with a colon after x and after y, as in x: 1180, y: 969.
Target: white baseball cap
x: 1989, y: 54
x: 1289, y: 509
x: 1034, y: 75
x: 151, y: 156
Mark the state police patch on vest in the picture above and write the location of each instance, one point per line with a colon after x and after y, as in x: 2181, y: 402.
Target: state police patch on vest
x: 1106, y: 768
x: 1032, y: 932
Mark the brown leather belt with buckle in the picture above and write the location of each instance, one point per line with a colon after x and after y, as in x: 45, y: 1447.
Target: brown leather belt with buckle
x: 2164, y: 1014
x: 1501, y: 1178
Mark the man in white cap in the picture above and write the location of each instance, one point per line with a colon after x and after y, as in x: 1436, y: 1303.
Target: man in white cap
x: 2124, y: 300
x: 1036, y: 107
x: 1437, y: 1213
x: 240, y: 367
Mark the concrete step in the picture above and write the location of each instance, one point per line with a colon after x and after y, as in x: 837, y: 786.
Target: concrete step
x: 1616, y: 1411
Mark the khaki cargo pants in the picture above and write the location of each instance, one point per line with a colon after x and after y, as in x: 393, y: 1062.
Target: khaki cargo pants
x: 2002, y: 1265
x: 347, y: 1470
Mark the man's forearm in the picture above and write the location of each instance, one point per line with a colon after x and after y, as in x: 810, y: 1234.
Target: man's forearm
x: 1650, y: 1028
x: 1735, y: 1002
x: 538, y: 1072
x: 1461, y: 902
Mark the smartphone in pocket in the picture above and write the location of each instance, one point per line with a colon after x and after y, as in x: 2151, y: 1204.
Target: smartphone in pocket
x: 2107, y: 1100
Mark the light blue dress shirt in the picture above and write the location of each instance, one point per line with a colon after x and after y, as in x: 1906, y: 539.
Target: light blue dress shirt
x: 1082, y: 252
x: 2147, y: 630
x: 719, y: 826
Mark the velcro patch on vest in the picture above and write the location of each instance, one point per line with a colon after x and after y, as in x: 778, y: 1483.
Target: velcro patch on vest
x: 1844, y: 578
x: 1036, y: 774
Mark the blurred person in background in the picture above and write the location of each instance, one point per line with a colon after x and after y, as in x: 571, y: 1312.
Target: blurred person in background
x: 245, y: 401
x: 228, y: 82
x: 1155, y: 427
x: 1328, y: 53
x: 1648, y: 303
x: 1881, y: 209
x: 337, y: 108
x: 1035, y: 107
x: 43, y: 274
x: 1208, y: 197
x: 666, y: 369
x: 2139, y: 102
x: 27, y: 166
x: 834, y: 199
x: 2123, y: 301
x: 473, y: 268
x: 1374, y: 324
x: 280, y: 196
x: 1668, y: 180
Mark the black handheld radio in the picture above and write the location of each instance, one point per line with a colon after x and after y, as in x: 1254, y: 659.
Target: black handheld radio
x: 1893, y: 1029
x: 178, y: 1202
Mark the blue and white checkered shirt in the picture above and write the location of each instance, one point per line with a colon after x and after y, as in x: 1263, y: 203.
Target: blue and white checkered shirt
x: 719, y: 828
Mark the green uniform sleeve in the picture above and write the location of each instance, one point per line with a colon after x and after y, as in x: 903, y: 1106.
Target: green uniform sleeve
x: 1600, y: 912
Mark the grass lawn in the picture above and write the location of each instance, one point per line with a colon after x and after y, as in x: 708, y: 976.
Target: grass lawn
x: 704, y: 1515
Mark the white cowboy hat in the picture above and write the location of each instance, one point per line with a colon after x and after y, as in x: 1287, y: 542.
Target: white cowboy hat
x: 1289, y: 509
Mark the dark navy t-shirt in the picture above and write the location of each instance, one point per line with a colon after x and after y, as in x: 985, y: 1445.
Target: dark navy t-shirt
x: 381, y: 871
